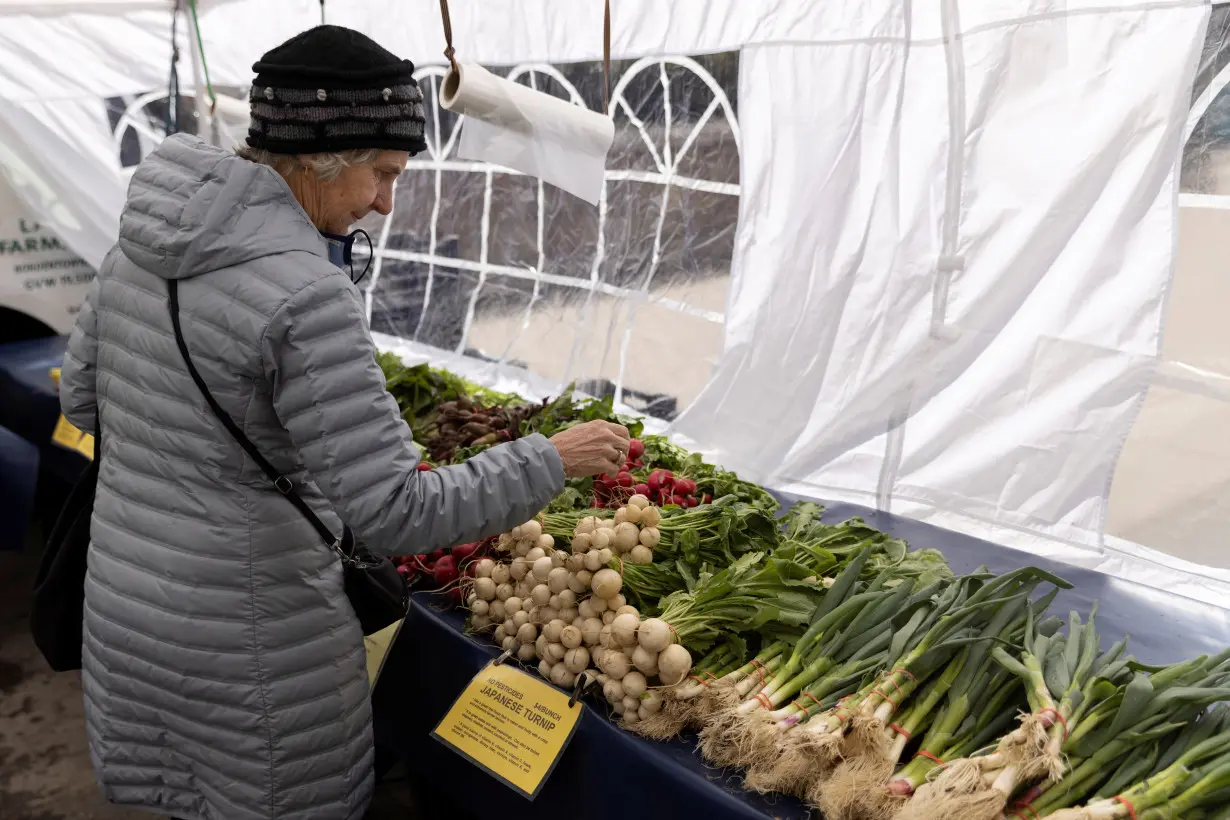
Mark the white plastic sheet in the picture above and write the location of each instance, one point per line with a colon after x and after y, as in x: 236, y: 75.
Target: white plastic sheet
x: 924, y: 250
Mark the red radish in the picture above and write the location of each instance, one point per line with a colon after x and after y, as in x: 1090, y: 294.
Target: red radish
x: 424, y: 467
x: 685, y: 486
x: 636, y: 448
x: 690, y: 501
x: 625, y: 479
x: 406, y: 571
x: 455, y: 595
x: 638, y: 464
x: 708, y: 499
x: 464, y: 551
x: 642, y: 489
x: 445, y: 571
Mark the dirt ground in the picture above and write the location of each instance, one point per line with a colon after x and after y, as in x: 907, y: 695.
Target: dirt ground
x: 45, y: 771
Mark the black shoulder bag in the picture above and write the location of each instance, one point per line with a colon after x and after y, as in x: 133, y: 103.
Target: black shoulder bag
x: 58, y: 605
x: 375, y: 588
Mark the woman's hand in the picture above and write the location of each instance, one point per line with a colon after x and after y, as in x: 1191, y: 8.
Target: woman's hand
x: 592, y: 448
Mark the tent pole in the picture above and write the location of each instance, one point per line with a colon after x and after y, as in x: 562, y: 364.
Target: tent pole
x: 204, y: 122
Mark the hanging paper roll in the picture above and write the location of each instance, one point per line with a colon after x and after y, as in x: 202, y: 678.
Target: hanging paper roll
x: 517, y: 127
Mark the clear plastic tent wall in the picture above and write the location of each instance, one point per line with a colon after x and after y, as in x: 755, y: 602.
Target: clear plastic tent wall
x: 959, y: 260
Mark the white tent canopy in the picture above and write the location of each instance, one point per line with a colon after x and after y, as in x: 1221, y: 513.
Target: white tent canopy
x: 917, y: 256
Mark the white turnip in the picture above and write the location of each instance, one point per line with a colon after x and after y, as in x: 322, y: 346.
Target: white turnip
x: 525, y: 652
x: 645, y: 661
x: 520, y: 619
x: 499, y: 635
x: 547, y: 613
x: 600, y: 539
x: 624, y: 628
x: 496, y: 612
x: 591, y: 629
x: 616, y: 664
x: 621, y: 516
x: 581, y: 543
x: 544, y: 669
x: 510, y: 643
x: 500, y: 574
x: 654, y: 634
x: 640, y: 554
x: 650, y: 537
x: 585, y: 526
x: 518, y: 569
x: 484, y: 588
x: 480, y: 622
x: 605, y: 638
x: 575, y: 582
x: 606, y: 524
x: 674, y: 663
x: 545, y: 542
x: 479, y: 607
x: 593, y: 560
x: 541, y: 595
x: 618, y: 708
x: 616, y: 601
x: 613, y: 691
x: 559, y: 673
x: 512, y: 605
x: 606, y: 583
x: 608, y: 617
x: 626, y: 535
x: 628, y: 609
x: 553, y: 629
x: 557, y: 580
x: 568, y: 614
x: 651, y: 701
x: 577, y: 660
x: 639, y: 501
x: 586, y: 609
x: 522, y: 547
x: 598, y: 605
x: 631, y: 704
x: 556, y: 651
x: 634, y: 684
x: 542, y: 568
x: 483, y: 568
x: 567, y: 599
x: 531, y: 530
x: 575, y: 562
x: 571, y: 637
x: 650, y: 517
x: 527, y: 633
x: 534, y: 554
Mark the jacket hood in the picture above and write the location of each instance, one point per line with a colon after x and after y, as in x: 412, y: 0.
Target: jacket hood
x: 193, y: 208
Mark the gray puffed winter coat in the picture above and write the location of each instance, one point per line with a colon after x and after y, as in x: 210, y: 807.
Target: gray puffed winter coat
x: 224, y: 670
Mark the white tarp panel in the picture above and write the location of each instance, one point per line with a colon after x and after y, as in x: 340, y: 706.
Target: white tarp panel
x: 923, y: 250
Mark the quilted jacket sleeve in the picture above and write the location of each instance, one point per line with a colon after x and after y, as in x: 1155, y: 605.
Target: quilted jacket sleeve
x: 329, y: 393
x: 78, y: 381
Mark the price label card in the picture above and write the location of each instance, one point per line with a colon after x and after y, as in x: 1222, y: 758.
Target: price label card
x: 66, y: 435
x: 513, y: 726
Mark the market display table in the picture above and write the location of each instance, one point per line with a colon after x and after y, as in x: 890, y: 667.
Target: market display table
x: 29, y: 411
x: 610, y: 773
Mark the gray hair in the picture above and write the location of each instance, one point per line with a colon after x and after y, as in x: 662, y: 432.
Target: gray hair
x: 327, y: 167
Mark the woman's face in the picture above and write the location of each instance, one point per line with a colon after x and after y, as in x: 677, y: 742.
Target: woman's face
x: 356, y: 192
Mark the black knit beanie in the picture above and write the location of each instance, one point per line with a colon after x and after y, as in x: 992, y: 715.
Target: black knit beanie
x: 334, y: 89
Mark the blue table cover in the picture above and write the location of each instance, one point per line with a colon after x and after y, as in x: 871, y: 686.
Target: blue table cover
x: 610, y: 773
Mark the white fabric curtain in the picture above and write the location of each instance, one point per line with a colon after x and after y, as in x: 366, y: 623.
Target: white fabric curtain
x: 955, y: 237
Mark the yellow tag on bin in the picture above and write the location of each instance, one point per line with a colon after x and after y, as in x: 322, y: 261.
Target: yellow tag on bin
x: 513, y: 726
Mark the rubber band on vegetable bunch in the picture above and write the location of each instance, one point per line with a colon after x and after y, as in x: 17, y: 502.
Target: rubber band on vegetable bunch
x: 931, y: 631
x: 1185, y: 773
x: 1090, y: 714
x: 1120, y: 730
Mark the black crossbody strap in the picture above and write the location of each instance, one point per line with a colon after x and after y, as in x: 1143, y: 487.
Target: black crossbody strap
x: 283, y: 484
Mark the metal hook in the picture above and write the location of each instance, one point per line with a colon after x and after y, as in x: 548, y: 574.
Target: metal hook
x: 503, y: 657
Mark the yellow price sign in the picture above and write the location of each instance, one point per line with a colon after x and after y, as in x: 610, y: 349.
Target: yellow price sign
x: 513, y: 726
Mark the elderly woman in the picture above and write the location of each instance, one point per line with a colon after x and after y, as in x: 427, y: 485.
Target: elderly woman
x: 224, y: 668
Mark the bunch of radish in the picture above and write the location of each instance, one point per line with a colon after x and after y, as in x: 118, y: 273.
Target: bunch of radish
x: 441, y: 568
x: 660, y: 487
